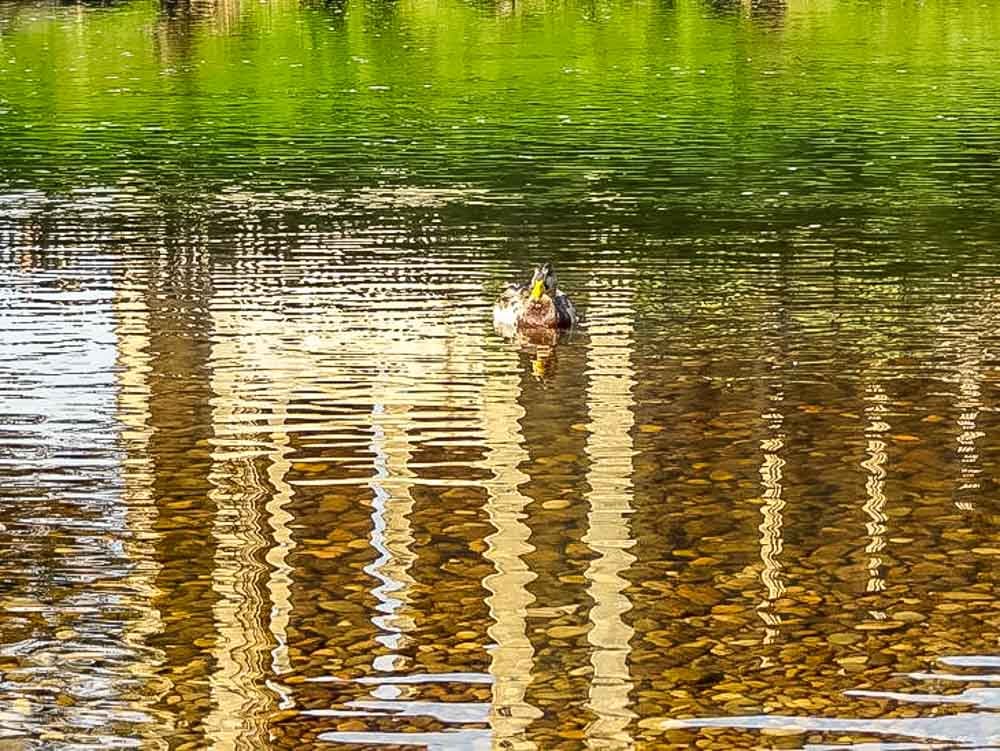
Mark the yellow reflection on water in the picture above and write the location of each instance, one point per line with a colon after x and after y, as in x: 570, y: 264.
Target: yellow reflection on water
x: 511, y: 660
x: 771, y: 511
x: 240, y: 700
x: 279, y: 519
x: 398, y: 385
x: 338, y: 371
x: 772, y: 501
x: 874, y: 465
x: 969, y: 404
x: 134, y: 393
x: 610, y: 407
x: 253, y: 513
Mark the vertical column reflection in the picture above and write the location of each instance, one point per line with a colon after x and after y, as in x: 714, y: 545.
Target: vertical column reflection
x: 253, y: 382
x: 391, y: 535
x: 279, y: 583
x: 963, y: 353
x: 240, y: 699
x: 610, y: 406
x: 513, y: 656
x: 874, y: 465
x: 771, y: 535
x: 969, y: 403
x: 138, y: 473
x: 772, y: 495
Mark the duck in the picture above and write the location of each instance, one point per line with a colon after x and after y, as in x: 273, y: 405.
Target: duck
x: 538, y: 305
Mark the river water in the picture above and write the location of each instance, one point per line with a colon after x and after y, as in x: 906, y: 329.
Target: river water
x: 269, y: 479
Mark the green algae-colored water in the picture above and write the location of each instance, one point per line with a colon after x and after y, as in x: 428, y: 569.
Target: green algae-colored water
x: 269, y: 479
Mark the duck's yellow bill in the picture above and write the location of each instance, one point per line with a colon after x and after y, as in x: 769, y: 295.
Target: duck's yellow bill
x: 536, y: 290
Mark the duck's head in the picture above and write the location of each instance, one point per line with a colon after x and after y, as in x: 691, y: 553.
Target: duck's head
x: 543, y: 282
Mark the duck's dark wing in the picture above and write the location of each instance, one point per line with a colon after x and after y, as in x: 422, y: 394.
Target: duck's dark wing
x: 565, y: 312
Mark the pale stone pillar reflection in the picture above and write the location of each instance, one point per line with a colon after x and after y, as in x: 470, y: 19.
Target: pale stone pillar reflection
x: 969, y: 404
x: 963, y: 354
x: 512, y: 657
x: 133, y: 412
x: 874, y: 465
x: 241, y: 700
x: 391, y: 535
x: 250, y: 492
x: 257, y: 504
x: 772, y: 516
x: 610, y: 447
x: 280, y: 573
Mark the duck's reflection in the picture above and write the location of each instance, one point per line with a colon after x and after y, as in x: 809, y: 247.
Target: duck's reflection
x: 540, y: 345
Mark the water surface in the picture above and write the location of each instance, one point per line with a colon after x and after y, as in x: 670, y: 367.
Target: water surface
x: 270, y: 480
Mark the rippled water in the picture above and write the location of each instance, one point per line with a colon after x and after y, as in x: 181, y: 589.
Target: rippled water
x: 269, y: 479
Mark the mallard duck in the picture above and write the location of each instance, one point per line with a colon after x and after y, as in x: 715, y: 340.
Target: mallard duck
x: 538, y: 305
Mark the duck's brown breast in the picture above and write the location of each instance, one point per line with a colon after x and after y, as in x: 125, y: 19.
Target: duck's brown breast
x: 541, y: 314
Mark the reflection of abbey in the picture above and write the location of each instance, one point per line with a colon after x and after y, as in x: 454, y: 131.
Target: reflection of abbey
x: 343, y: 503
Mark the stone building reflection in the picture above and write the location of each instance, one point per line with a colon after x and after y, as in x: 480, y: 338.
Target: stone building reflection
x: 206, y: 401
x: 874, y: 464
x: 511, y: 661
x: 969, y: 403
x: 772, y: 499
x: 610, y: 404
x: 209, y: 511
x: 138, y: 474
x: 357, y: 388
x: 391, y: 536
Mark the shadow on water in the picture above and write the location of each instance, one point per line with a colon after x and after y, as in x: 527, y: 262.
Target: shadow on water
x: 766, y: 12
x: 180, y: 453
x: 182, y: 22
x: 335, y: 9
x: 222, y: 11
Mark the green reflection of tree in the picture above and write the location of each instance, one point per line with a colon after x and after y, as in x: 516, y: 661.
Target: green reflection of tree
x: 649, y: 101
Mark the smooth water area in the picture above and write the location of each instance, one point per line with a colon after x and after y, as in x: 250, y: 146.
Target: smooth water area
x: 269, y: 479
